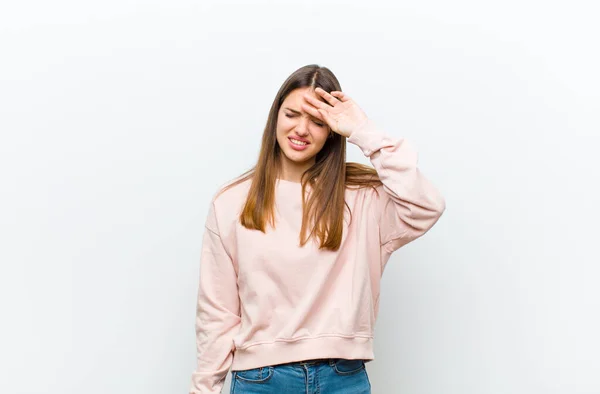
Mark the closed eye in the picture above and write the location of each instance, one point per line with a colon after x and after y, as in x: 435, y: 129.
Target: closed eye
x: 317, y: 123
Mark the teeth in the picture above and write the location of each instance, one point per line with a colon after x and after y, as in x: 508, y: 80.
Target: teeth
x: 296, y: 142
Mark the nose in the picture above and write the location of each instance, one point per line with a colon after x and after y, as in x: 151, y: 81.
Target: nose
x: 302, y: 128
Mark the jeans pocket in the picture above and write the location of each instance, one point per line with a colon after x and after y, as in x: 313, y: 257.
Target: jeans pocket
x: 254, y: 375
x: 343, y: 366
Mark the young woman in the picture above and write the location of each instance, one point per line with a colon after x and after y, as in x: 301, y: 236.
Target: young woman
x: 294, y: 249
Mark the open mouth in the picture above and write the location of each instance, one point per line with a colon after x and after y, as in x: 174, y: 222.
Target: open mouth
x: 298, y: 142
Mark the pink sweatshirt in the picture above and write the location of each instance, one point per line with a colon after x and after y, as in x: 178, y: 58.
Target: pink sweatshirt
x: 263, y: 300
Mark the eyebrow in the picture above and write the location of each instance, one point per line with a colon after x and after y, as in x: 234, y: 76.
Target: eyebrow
x: 293, y: 110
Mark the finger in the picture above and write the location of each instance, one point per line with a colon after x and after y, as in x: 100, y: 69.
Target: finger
x: 326, y: 117
x: 317, y: 103
x: 313, y: 111
x: 341, y: 95
x: 330, y: 99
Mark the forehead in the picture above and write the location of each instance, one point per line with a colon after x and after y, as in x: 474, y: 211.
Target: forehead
x: 295, y: 98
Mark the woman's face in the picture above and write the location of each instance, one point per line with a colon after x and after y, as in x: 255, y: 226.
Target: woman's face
x: 300, y: 136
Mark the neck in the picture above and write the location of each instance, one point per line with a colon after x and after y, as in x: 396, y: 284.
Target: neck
x: 292, y: 171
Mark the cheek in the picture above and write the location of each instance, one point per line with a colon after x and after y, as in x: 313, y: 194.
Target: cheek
x: 283, y: 128
x: 290, y: 124
x: 321, y: 136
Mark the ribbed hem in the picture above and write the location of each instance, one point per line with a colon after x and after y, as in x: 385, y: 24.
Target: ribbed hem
x: 290, y: 350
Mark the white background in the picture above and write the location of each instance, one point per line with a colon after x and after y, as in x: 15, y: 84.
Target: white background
x: 119, y: 120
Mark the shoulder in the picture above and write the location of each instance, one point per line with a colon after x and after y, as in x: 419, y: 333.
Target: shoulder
x: 227, y: 203
x: 365, y: 197
x: 365, y: 191
x: 369, y: 201
x: 231, y: 193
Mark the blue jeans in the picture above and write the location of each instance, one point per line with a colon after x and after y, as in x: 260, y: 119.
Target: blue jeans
x: 320, y: 376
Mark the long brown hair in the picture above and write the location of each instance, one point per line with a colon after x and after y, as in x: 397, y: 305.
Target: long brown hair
x: 328, y: 177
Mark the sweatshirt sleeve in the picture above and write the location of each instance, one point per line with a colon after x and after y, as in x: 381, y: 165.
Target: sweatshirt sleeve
x: 217, y: 312
x: 409, y: 204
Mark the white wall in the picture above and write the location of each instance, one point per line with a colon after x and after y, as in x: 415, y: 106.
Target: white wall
x: 119, y: 119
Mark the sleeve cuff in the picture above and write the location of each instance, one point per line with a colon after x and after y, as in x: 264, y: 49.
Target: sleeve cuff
x: 369, y: 138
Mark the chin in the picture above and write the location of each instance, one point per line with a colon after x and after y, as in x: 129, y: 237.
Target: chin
x: 298, y: 157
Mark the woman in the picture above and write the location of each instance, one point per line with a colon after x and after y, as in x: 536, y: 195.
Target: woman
x: 294, y: 250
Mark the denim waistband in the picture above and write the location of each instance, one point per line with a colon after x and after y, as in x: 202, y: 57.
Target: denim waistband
x: 312, y: 361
